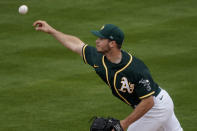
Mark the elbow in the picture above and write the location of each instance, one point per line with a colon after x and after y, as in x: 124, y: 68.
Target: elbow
x: 149, y: 102
x: 152, y: 103
x: 77, y: 48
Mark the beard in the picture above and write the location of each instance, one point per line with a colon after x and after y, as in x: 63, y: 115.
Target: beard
x: 103, y: 50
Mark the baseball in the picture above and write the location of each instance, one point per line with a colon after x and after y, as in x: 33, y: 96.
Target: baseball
x: 23, y: 9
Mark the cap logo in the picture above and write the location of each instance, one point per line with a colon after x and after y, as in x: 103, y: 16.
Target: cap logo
x: 102, y: 27
x: 111, y: 37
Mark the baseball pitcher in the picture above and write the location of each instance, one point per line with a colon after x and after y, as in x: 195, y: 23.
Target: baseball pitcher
x: 128, y: 78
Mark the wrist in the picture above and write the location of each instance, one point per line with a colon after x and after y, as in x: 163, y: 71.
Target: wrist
x: 124, y: 124
x: 52, y: 31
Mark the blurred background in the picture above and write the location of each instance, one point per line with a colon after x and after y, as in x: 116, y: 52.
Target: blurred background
x: 46, y: 87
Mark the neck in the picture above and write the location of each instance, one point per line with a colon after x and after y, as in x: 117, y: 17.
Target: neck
x: 114, y: 56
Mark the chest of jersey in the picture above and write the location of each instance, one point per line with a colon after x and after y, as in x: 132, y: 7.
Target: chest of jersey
x: 130, y: 80
x: 122, y: 85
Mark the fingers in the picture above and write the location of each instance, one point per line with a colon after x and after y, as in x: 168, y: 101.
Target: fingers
x: 38, y: 23
x: 42, y: 26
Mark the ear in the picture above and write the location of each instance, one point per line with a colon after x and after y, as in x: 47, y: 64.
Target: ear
x: 112, y: 44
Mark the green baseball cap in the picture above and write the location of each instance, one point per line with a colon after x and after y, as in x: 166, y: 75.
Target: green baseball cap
x: 111, y: 32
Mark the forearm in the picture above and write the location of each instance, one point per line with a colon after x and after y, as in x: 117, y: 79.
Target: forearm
x: 71, y: 42
x: 144, y: 106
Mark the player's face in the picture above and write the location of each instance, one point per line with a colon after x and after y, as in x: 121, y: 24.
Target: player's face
x: 102, y: 45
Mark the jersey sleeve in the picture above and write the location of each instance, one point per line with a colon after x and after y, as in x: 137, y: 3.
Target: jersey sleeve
x: 145, y: 85
x: 89, y: 54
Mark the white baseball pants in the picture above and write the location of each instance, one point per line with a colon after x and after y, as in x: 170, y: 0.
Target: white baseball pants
x: 160, y: 118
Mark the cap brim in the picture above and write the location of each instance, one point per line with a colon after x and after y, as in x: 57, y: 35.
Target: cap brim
x: 98, y: 34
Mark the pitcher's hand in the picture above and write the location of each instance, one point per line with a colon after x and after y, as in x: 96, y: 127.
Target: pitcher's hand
x: 43, y: 26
